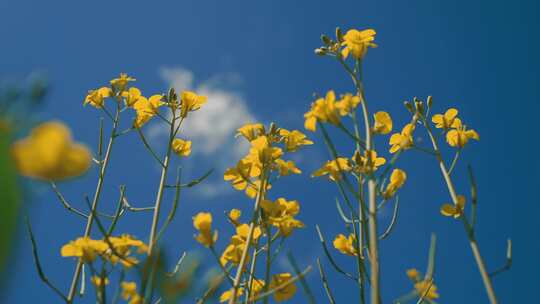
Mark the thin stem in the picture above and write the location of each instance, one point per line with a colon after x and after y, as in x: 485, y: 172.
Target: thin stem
x: 243, y: 259
x: 468, y: 229
x: 95, y: 201
x: 325, y: 283
x: 305, y: 286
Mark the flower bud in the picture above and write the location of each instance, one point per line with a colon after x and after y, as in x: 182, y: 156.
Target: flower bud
x: 326, y: 40
x: 408, y: 106
x: 320, y: 51
x: 429, y: 101
x: 339, y: 35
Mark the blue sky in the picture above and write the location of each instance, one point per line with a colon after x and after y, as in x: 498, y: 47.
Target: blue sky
x: 257, y: 58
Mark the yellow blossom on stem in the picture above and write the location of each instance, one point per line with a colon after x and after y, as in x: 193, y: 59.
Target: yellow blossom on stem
x: 347, y: 104
x: 119, y: 84
x: 203, y: 223
x: 181, y: 147
x: 146, y: 109
x: 98, y: 281
x: 346, y: 245
x: 287, y: 167
x: 357, y: 42
x: 281, y: 215
x: 251, y: 131
x: 262, y: 152
x: 84, y: 248
x: 253, y: 188
x: 190, y: 102
x: 96, y: 98
x: 131, y: 96
x: 334, y: 168
x: 226, y: 295
x: 129, y: 292
x: 49, y: 153
x: 322, y: 110
x: 426, y: 289
x: 460, y: 136
x: 367, y: 163
x: 383, y: 123
x: 294, y: 139
x: 454, y: 210
x: 242, y: 232
x: 447, y: 120
x: 283, y: 293
x: 413, y: 274
x: 397, y: 179
x: 234, y: 216
x: 403, y: 140
x: 239, y: 176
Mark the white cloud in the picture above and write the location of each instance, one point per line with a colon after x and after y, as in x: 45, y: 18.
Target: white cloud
x: 212, y: 128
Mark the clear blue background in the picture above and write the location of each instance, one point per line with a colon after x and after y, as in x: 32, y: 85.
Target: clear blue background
x: 480, y: 56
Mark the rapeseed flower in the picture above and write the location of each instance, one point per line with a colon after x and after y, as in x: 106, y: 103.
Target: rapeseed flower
x: 403, y: 140
x: 397, y: 180
x: 190, y: 102
x: 357, y: 42
x: 294, y: 139
x: 203, y: 223
x: 346, y: 245
x: 447, y: 120
x: 367, y: 163
x: 96, y: 98
x: 181, y: 147
x: 322, y: 110
x: 251, y: 131
x: 334, y: 168
x: 456, y: 210
x: 286, y: 292
x: 460, y: 136
x: 84, y: 248
x: 383, y: 123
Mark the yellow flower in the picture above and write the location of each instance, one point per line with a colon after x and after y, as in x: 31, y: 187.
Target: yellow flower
x: 240, y: 175
x: 233, y: 252
x: 251, y: 131
x: 84, y: 248
x: 146, y: 109
x: 256, y: 287
x: 131, y: 96
x: 262, y: 153
x: 426, y: 289
x: 413, y: 274
x: 129, y: 291
x: 125, y: 242
x: 287, y: 167
x: 242, y: 232
x: 96, y: 98
x: 383, y: 123
x: 454, y: 210
x: 347, y: 104
x: 226, y: 296
x: 334, y: 168
x: 346, y: 245
x: 190, y: 102
x: 203, y: 223
x: 283, y: 293
x: 367, y: 163
x: 49, y: 153
x: 460, y: 136
x: 120, y: 83
x: 397, y: 179
x: 253, y: 188
x: 281, y: 215
x: 447, y: 120
x: 98, y: 281
x: 294, y: 139
x: 322, y: 110
x: 181, y: 147
x: 403, y: 140
x: 234, y: 215
x: 357, y: 42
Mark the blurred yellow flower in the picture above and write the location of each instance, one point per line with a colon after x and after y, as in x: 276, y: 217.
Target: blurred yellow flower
x: 287, y: 291
x: 119, y: 84
x: 146, y: 109
x: 49, y: 153
x: 447, y: 120
x: 190, y: 102
x: 322, y: 110
x: 347, y: 104
x: 129, y: 292
x: 426, y: 289
x: 413, y: 274
x: 84, y: 248
x: 397, y: 179
x: 383, y: 123
x: 367, y: 163
x: 287, y: 167
x: 346, y: 245
x: 181, y: 147
x: 240, y: 175
x: 96, y: 98
x: 253, y: 188
x: 294, y: 139
x: 334, y: 168
x: 251, y: 131
x: 454, y: 210
x: 98, y: 281
x: 131, y: 96
x: 234, y: 216
x: 203, y: 223
x: 460, y: 136
x: 281, y: 215
x: 357, y: 42
x: 226, y: 295
x: 403, y: 140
